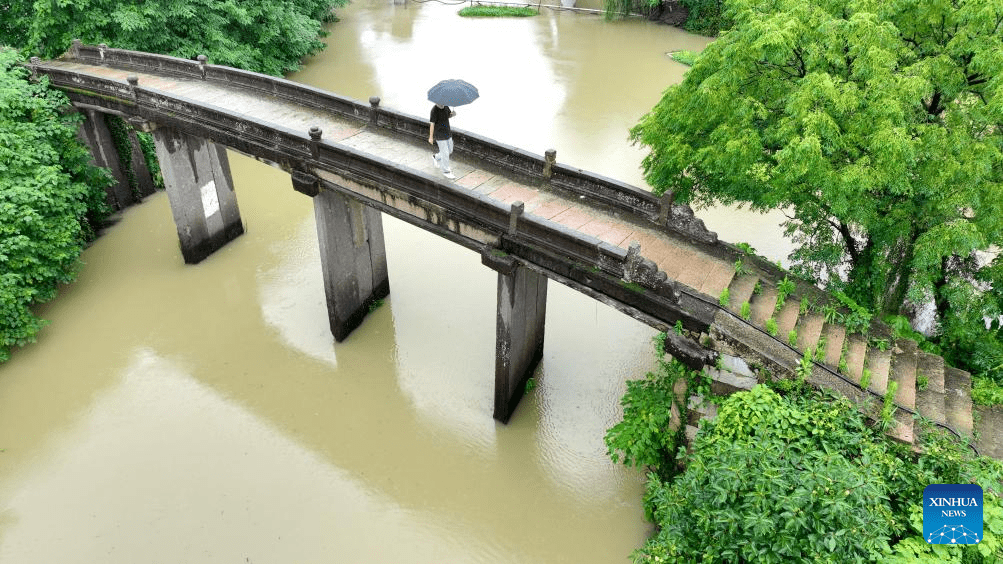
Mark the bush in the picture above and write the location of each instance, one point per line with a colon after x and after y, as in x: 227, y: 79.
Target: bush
x: 497, y: 11
x: 803, y: 479
x: 51, y: 199
x: 258, y: 35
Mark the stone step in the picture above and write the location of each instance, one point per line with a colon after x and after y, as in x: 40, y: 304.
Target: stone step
x: 809, y: 328
x: 762, y: 305
x: 740, y: 291
x: 903, y: 371
x: 856, y: 349
x: 932, y: 367
x: 834, y: 336
x: 718, y: 278
x: 958, y: 400
x: 878, y: 362
x: 787, y: 318
x: 930, y: 399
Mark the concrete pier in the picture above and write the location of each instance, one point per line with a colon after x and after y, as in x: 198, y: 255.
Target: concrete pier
x: 353, y: 258
x: 95, y: 133
x: 522, y: 310
x: 144, y: 180
x: 197, y: 177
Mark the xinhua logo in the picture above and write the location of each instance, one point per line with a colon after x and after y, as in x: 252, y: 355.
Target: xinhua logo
x: 952, y: 514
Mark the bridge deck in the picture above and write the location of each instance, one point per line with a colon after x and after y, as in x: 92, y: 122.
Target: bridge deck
x: 679, y: 259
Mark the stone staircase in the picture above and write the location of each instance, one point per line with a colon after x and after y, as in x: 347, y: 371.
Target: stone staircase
x: 809, y: 320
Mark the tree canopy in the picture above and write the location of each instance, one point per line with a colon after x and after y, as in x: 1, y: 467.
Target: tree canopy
x: 269, y: 36
x: 877, y: 126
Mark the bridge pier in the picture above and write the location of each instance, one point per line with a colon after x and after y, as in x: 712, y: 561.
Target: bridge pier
x: 352, y: 256
x: 95, y: 133
x: 197, y: 177
x: 522, y: 310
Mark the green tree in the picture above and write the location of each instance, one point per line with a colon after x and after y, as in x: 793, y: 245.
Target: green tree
x: 14, y: 19
x: 803, y: 479
x: 50, y: 199
x: 877, y: 126
x: 269, y: 36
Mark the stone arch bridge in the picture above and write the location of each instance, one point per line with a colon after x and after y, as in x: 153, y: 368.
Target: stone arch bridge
x: 531, y: 218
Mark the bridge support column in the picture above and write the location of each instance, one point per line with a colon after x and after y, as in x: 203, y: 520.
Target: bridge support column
x: 197, y: 177
x: 522, y: 309
x: 144, y: 180
x: 353, y: 258
x: 95, y: 133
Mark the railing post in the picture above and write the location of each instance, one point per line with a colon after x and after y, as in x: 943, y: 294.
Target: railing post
x: 515, y: 211
x: 549, y: 161
x: 75, y: 49
x: 665, y: 207
x: 202, y: 60
x: 315, y: 133
x: 374, y: 110
x: 133, y: 81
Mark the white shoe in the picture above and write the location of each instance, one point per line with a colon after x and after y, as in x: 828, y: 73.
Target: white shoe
x: 449, y: 175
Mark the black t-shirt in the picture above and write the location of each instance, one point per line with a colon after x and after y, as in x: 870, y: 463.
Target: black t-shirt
x: 440, y: 117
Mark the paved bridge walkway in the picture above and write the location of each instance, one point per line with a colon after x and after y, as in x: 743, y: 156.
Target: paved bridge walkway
x: 738, y: 312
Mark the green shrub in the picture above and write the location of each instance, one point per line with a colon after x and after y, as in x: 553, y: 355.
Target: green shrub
x: 771, y: 327
x: 51, y: 199
x: 498, y: 11
x: 802, y: 479
x: 986, y: 391
x: 746, y: 311
x: 687, y: 58
x: 706, y: 17
x: 724, y: 298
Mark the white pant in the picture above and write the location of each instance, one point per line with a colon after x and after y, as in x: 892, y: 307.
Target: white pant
x: 445, y: 148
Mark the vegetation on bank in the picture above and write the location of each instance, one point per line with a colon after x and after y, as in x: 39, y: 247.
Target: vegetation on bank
x: 685, y: 57
x: 51, y: 200
x: 498, y: 11
x: 790, y: 475
x: 878, y: 132
x: 259, y: 35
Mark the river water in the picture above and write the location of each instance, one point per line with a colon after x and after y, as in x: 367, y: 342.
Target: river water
x: 175, y: 413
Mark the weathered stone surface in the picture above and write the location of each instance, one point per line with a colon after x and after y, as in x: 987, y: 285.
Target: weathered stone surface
x: 353, y: 259
x: 725, y: 383
x: 990, y: 431
x: 95, y: 134
x: 197, y: 177
x: 522, y: 309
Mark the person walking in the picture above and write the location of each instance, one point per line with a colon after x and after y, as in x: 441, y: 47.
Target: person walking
x: 440, y: 134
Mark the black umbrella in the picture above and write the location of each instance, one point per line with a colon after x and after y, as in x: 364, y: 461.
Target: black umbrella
x: 453, y: 92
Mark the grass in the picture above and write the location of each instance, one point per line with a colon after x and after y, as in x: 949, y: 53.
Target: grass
x: 683, y: 56
x: 498, y: 11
